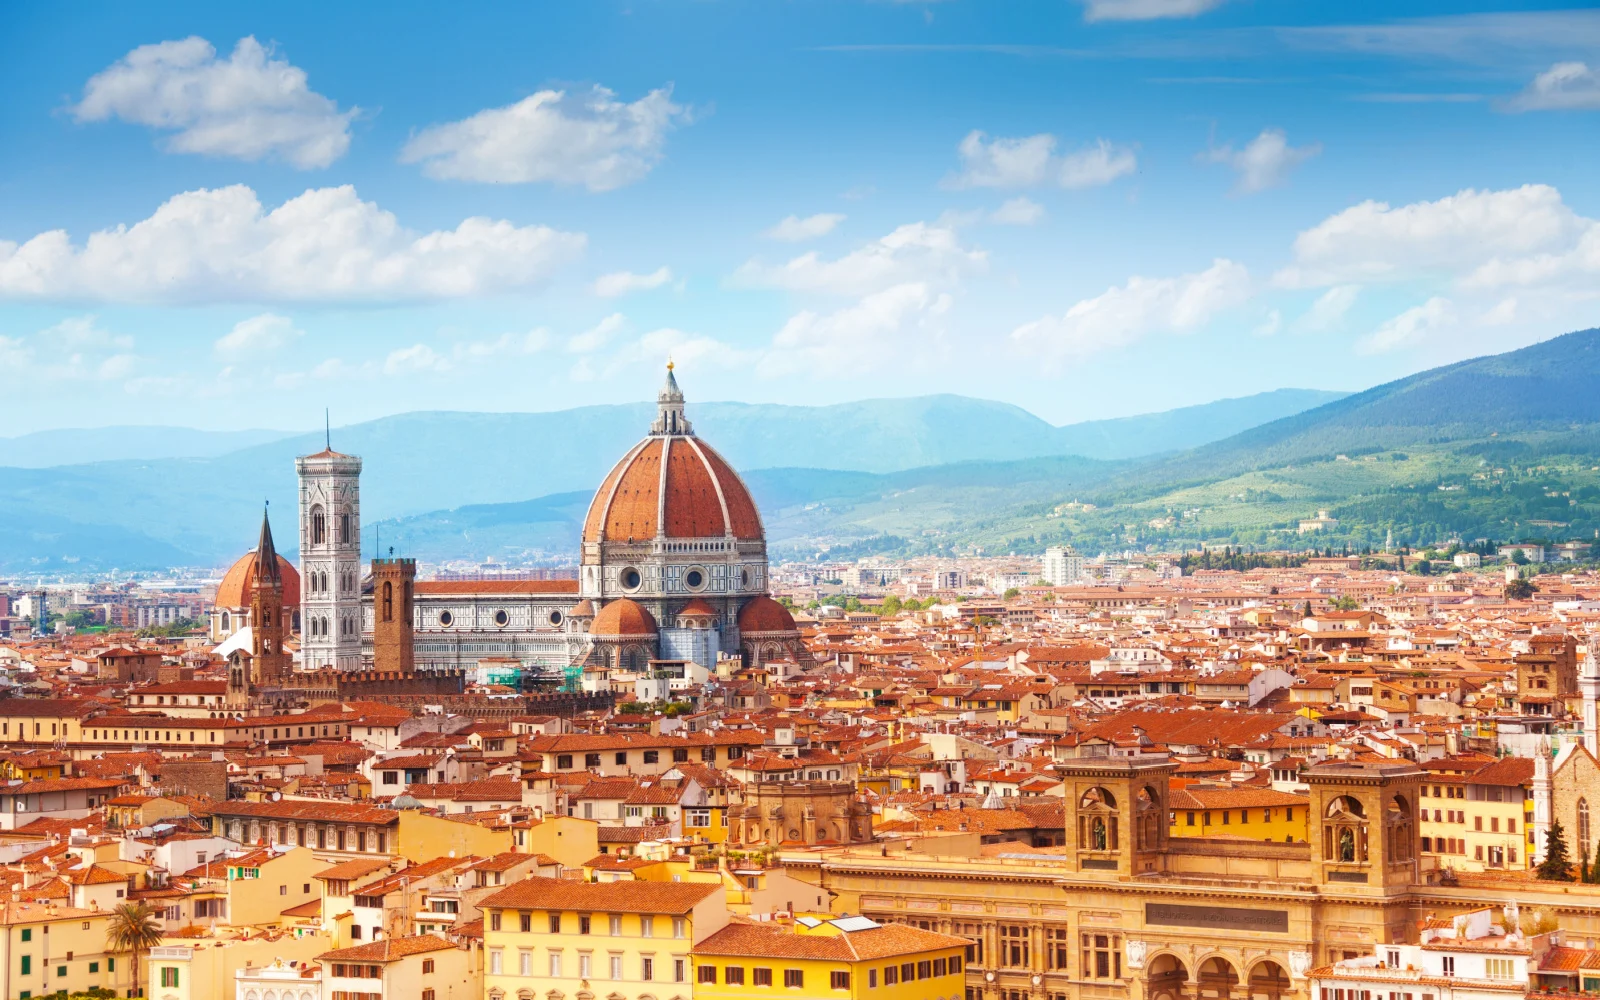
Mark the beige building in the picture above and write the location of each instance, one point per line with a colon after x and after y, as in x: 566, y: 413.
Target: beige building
x: 801, y: 812
x: 1124, y: 911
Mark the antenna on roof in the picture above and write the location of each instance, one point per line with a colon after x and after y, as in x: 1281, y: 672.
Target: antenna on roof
x: 327, y: 429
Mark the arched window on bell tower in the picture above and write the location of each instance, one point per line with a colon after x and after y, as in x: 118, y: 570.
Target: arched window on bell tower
x: 1398, y: 828
x: 1344, y: 832
x: 388, y: 601
x: 1097, y: 821
x: 319, y: 526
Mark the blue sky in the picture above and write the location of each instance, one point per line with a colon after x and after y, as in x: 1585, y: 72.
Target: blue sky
x: 234, y: 215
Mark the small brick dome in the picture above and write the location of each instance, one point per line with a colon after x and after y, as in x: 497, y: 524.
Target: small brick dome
x: 623, y: 617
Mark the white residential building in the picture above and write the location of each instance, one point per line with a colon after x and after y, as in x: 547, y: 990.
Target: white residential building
x: 1062, y: 565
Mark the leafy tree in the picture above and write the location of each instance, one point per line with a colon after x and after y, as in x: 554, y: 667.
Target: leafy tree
x: 892, y: 605
x: 1583, y: 862
x: 1594, y: 872
x: 1345, y: 603
x: 1306, y: 612
x: 1519, y: 558
x: 1556, y: 866
x: 133, y: 927
x: 1520, y: 590
x: 1011, y: 594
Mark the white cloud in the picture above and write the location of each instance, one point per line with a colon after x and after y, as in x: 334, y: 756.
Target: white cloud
x: 1409, y: 329
x: 588, y: 138
x: 596, y: 336
x: 75, y: 349
x: 259, y: 335
x: 1096, y: 165
x: 1145, y: 10
x: 507, y: 345
x: 797, y: 230
x: 1032, y: 161
x: 610, y: 286
x: 914, y: 252
x: 1523, y: 235
x: 1270, y: 324
x: 324, y: 245
x: 248, y: 107
x: 1329, y: 310
x: 657, y: 348
x: 415, y: 359
x: 1127, y: 313
x: 883, y: 327
x: 1017, y: 212
x: 1567, y: 86
x: 1264, y: 162
x: 1501, y: 313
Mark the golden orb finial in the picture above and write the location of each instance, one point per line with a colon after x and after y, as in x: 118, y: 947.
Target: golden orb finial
x: 670, y: 365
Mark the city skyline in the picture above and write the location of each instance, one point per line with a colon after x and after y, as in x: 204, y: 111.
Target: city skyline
x: 1086, y: 209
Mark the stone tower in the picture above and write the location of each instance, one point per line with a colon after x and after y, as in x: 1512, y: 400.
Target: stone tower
x: 1589, y: 687
x: 1364, y: 828
x: 267, y: 664
x: 393, y: 635
x: 330, y: 560
x: 1117, y: 815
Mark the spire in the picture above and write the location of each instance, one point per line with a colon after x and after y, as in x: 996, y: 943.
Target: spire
x: 669, y: 408
x: 267, y: 554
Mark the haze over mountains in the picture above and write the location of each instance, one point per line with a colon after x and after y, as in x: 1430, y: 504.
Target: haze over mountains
x: 1412, y: 456
x: 153, y: 510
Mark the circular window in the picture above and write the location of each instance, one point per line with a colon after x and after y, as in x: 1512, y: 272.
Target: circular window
x: 446, y: 618
x: 695, y: 579
x: 630, y: 579
x: 501, y: 618
x: 555, y: 618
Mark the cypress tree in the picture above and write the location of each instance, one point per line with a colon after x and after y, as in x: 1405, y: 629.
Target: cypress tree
x: 1557, y: 865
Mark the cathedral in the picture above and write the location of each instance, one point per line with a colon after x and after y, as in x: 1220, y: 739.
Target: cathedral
x: 672, y: 577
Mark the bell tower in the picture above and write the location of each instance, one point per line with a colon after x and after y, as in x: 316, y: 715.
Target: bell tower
x: 393, y: 635
x: 330, y: 560
x: 1117, y: 813
x: 1364, y: 825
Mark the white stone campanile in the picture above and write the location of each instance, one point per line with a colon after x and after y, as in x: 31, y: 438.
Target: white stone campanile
x: 330, y: 560
x: 1589, y: 688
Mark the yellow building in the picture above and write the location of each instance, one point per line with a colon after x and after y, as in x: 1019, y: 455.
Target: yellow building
x: 263, y: 883
x: 423, y: 837
x: 47, y: 948
x: 181, y: 969
x: 1481, y: 821
x: 419, y: 967
x: 1248, y: 813
x: 821, y: 957
x: 548, y: 937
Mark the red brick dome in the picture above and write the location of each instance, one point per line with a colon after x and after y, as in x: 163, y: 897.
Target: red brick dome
x: 763, y: 614
x: 234, y: 591
x: 677, y: 487
x: 697, y: 608
x: 623, y: 617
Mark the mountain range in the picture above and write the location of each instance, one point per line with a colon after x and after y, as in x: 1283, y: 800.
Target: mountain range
x: 1506, y: 446
x: 152, y: 508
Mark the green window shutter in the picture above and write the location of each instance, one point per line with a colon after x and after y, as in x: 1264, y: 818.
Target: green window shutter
x: 27, y: 965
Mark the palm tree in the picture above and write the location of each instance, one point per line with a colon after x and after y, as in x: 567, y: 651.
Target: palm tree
x: 134, y: 928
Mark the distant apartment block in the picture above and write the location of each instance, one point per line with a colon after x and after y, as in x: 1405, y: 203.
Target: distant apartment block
x: 1062, y: 565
